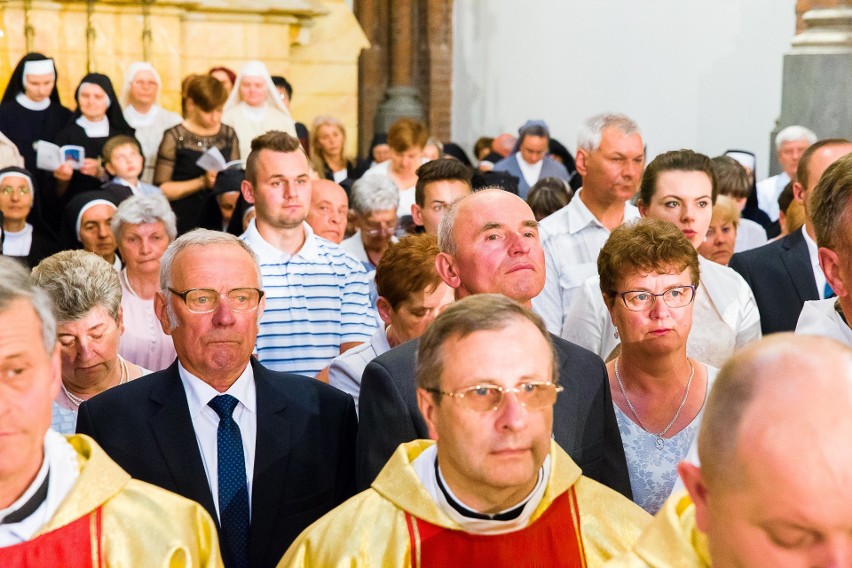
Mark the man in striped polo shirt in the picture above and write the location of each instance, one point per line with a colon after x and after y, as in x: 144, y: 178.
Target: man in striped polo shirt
x: 317, y: 295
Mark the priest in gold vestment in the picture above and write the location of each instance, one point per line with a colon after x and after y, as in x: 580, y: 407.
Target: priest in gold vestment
x: 63, y: 502
x: 774, y: 487
x: 493, y: 489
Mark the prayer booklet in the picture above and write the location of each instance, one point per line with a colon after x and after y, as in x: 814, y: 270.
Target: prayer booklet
x: 49, y: 156
x: 213, y: 161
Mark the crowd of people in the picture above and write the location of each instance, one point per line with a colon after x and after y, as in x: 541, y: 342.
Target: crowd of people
x: 226, y: 341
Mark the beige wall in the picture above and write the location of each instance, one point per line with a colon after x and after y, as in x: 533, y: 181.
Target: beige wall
x: 315, y: 44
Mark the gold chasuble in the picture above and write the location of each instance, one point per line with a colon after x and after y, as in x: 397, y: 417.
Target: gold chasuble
x: 397, y: 523
x: 671, y: 540
x: 109, y: 519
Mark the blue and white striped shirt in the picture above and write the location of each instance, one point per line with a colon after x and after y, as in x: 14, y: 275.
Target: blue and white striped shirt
x: 316, y: 300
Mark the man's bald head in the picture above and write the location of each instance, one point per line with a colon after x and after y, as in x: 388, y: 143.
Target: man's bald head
x: 489, y: 244
x: 802, y: 381
x: 775, y: 480
x: 329, y: 210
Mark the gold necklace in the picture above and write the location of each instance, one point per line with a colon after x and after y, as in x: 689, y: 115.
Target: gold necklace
x: 76, y: 401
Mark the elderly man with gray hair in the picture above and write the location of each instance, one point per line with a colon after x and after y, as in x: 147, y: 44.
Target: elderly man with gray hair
x: 775, y: 480
x: 266, y: 453
x: 374, y: 201
x: 790, y: 144
x: 611, y: 158
x: 63, y: 502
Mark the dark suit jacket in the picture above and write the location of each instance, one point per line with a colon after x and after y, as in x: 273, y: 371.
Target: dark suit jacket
x: 304, y: 454
x: 780, y: 276
x: 583, y: 418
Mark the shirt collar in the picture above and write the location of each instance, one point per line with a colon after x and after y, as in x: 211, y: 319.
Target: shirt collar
x: 812, y: 247
x: 580, y: 217
x: 267, y: 253
x: 199, y: 393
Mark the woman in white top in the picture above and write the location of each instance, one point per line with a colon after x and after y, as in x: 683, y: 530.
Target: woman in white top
x: 86, y: 296
x: 407, y: 138
x: 649, y: 274
x: 254, y: 107
x: 679, y: 187
x: 139, y: 98
x: 143, y: 227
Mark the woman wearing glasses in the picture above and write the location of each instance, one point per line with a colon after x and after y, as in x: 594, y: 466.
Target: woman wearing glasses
x: 678, y: 187
x: 649, y: 275
x: 20, y: 240
x: 86, y: 296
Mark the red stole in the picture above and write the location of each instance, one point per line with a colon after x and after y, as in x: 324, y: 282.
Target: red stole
x: 552, y: 540
x: 76, y: 545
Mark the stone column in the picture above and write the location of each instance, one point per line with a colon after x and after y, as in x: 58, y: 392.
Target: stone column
x: 818, y: 76
x: 402, y: 98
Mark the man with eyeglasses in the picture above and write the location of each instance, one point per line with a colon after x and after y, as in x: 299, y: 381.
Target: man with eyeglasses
x: 266, y: 453
x: 489, y: 244
x: 493, y: 489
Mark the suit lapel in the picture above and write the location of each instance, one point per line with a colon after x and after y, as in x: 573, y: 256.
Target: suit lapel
x: 172, y: 428
x: 272, y: 451
x: 797, y: 261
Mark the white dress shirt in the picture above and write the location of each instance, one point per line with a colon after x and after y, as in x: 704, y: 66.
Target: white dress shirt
x: 819, y: 275
x: 572, y: 238
x: 768, y: 191
x: 205, y: 422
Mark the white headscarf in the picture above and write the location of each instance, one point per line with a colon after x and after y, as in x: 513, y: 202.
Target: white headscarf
x: 131, y: 73
x: 256, y: 69
x: 88, y: 206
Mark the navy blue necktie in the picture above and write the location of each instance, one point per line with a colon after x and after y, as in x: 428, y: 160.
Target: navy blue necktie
x: 233, y: 489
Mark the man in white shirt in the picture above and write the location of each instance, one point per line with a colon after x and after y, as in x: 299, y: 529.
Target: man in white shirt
x: 318, y: 297
x: 266, y: 453
x: 830, y: 210
x: 785, y: 273
x: 790, y: 144
x: 611, y: 158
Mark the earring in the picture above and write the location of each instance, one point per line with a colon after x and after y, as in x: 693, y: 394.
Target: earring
x: 615, y: 334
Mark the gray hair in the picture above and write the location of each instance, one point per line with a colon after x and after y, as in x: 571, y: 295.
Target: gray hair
x: 446, y: 239
x: 591, y: 131
x: 141, y: 209
x: 792, y: 133
x: 536, y: 128
x: 480, y: 312
x: 16, y: 284
x: 78, y: 281
x: 374, y: 193
x: 201, y: 238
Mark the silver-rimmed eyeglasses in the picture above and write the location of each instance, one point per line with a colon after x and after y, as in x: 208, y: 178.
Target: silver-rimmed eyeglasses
x: 204, y: 301
x: 639, y: 300
x: 485, y: 398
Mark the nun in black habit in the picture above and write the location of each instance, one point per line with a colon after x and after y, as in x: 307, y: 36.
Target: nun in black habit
x: 31, y: 111
x: 98, y: 117
x: 21, y: 240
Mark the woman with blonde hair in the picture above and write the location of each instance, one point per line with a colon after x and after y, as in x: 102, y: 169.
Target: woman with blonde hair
x: 86, y: 295
x: 328, y: 149
x: 721, y: 238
